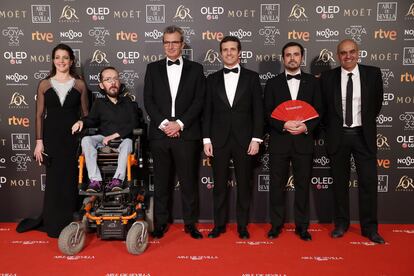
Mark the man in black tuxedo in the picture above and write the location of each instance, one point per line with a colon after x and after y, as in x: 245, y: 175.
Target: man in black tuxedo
x: 291, y: 141
x: 232, y: 128
x: 174, y: 92
x: 352, y: 96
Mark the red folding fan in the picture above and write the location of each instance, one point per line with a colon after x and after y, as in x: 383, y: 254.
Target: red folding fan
x: 294, y: 110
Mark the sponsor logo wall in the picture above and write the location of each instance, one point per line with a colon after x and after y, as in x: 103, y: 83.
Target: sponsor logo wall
x: 128, y: 35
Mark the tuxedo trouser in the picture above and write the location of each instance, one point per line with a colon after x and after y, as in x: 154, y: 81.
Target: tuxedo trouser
x: 183, y: 155
x: 279, y: 175
x: 90, y: 144
x: 243, y: 172
x: 353, y: 142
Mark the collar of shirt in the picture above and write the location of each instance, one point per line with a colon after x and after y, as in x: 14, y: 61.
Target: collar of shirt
x: 180, y: 59
x: 355, y: 72
x: 237, y: 66
x: 294, y: 73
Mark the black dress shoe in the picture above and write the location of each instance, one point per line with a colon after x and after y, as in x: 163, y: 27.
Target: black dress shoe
x: 303, y: 234
x: 338, y: 232
x: 374, y: 237
x: 159, y: 231
x: 192, y: 230
x: 274, y: 232
x: 243, y: 233
x: 217, y: 230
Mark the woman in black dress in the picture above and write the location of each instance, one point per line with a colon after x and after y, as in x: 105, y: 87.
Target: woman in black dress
x: 61, y: 99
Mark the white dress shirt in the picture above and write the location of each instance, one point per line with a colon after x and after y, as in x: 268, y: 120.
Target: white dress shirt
x: 356, y: 95
x: 293, y: 85
x: 174, y: 77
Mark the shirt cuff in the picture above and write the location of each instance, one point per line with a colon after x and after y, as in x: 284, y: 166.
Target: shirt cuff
x: 257, y: 140
x: 206, y: 141
x: 162, y: 125
x: 181, y: 124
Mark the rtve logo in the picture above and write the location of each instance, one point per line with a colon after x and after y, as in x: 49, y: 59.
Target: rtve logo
x: 298, y: 35
x: 383, y: 163
x: 48, y: 37
x: 16, y: 121
x: 207, y: 35
x: 125, y: 36
x: 384, y: 34
x: 407, y: 77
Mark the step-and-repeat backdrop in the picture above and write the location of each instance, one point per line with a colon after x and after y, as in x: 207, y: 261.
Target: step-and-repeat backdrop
x: 128, y: 35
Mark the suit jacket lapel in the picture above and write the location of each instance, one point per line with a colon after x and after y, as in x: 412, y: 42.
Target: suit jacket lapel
x: 364, y: 91
x: 221, y: 89
x: 241, y: 86
x: 337, y: 92
x: 164, y: 75
x: 302, y: 88
x: 285, y: 87
x: 184, y: 75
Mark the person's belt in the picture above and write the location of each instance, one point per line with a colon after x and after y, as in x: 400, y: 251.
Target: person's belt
x: 352, y: 130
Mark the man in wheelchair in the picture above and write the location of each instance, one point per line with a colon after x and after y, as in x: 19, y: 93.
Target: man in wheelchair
x: 115, y: 117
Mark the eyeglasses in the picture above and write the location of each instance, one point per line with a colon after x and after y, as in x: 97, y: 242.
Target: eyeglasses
x: 110, y: 80
x: 171, y: 43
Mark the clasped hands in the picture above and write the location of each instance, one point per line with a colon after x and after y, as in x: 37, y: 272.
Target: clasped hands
x: 171, y: 129
x: 295, y: 127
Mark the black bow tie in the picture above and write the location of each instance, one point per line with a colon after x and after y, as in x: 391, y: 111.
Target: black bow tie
x: 234, y: 70
x: 176, y: 62
x: 297, y: 76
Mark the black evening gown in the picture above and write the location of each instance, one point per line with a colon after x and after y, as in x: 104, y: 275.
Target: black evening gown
x: 61, y: 193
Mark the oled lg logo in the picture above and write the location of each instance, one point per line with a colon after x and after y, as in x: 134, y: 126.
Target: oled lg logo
x: 208, y: 182
x: 15, y: 57
x: 97, y: 13
x: 327, y: 12
x: 128, y: 57
x: 388, y: 98
x: 245, y: 56
x: 406, y: 141
x: 212, y: 13
x: 321, y: 182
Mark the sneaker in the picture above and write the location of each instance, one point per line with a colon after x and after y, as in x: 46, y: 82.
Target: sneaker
x: 94, y: 186
x: 114, y: 185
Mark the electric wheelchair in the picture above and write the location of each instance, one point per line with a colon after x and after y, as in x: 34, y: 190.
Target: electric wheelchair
x: 123, y: 215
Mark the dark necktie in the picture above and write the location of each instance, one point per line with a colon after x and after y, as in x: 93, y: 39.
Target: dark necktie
x: 234, y: 70
x: 349, y: 92
x: 176, y: 62
x: 297, y: 76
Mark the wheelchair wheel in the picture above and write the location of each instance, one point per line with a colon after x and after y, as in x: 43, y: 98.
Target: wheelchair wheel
x: 72, y: 239
x: 149, y: 215
x: 137, y: 238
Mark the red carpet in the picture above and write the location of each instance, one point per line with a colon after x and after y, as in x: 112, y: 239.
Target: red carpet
x: 33, y: 253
